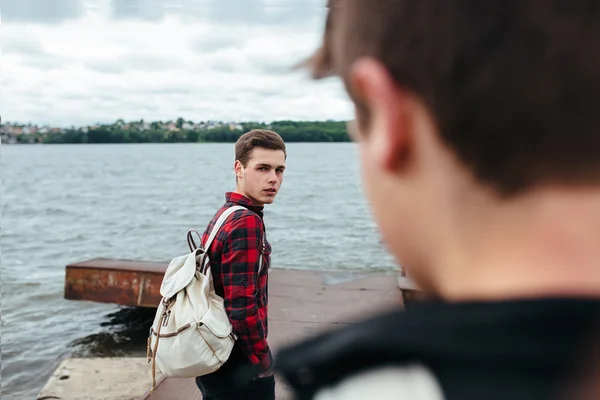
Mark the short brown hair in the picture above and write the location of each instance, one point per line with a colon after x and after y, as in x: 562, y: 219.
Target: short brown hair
x: 257, y: 138
x: 513, y: 85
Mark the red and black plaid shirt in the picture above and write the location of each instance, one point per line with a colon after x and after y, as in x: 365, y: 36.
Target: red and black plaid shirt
x: 234, y: 256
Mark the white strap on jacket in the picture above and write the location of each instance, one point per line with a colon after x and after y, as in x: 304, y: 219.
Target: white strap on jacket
x: 218, y: 225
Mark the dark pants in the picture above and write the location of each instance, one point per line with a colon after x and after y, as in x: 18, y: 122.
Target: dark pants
x: 229, y: 382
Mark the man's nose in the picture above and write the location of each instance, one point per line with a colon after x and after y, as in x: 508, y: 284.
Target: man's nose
x: 273, y: 177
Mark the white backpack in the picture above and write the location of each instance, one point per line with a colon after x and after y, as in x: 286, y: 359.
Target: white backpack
x: 191, y: 324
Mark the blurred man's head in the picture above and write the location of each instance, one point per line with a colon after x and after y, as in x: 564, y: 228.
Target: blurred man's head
x: 259, y: 164
x: 471, y: 115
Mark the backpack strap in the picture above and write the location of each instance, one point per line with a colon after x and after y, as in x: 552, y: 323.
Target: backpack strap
x: 262, y: 249
x: 213, y: 233
x: 219, y: 222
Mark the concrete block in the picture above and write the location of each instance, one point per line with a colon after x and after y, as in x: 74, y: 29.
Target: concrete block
x: 99, y: 379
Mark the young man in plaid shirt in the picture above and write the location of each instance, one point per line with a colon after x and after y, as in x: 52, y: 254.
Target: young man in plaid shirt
x: 235, y: 260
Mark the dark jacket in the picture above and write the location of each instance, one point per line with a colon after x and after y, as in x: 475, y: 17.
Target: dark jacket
x: 506, y: 350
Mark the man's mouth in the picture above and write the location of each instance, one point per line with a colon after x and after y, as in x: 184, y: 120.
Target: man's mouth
x: 271, y: 191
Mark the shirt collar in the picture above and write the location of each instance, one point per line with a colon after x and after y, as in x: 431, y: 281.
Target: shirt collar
x: 237, y: 198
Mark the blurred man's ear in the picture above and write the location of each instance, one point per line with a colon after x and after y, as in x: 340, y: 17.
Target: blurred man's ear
x: 384, y: 120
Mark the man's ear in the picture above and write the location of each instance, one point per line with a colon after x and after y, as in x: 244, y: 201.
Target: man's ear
x: 386, y: 131
x: 238, y: 168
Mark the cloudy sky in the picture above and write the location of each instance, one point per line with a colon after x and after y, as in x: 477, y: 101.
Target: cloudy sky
x: 79, y: 62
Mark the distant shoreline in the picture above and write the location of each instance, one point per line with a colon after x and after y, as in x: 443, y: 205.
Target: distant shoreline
x: 141, y: 143
x: 179, y: 131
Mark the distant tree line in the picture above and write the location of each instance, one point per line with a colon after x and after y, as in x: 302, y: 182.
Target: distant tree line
x: 290, y: 131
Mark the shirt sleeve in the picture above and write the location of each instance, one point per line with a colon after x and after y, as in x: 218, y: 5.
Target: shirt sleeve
x: 239, y: 270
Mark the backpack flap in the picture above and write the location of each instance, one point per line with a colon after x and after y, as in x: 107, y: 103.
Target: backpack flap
x: 179, y: 274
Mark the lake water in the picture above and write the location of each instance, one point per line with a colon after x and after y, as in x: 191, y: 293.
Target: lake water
x: 61, y: 204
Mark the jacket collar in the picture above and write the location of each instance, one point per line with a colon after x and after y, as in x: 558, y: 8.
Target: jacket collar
x: 437, y: 333
x: 237, y: 198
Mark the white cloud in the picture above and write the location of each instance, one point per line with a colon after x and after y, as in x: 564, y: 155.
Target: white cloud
x: 193, y: 62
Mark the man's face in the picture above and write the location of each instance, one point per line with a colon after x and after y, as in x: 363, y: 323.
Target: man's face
x: 261, y: 178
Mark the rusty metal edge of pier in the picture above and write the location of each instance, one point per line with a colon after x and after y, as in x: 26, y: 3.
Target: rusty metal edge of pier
x: 123, y: 282
x: 137, y: 283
